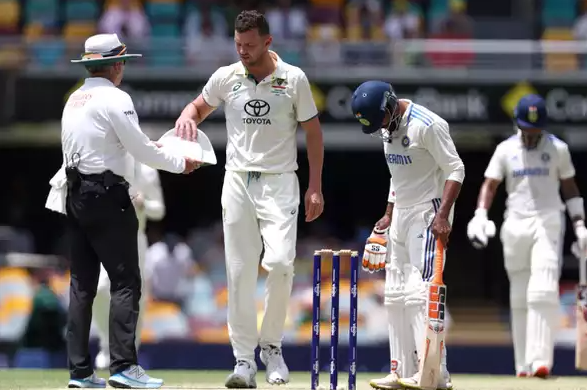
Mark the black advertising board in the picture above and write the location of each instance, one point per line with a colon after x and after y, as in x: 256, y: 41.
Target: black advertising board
x: 42, y: 99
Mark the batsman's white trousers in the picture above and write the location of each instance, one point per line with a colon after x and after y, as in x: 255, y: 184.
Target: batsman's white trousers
x: 260, y: 214
x: 412, y: 249
x: 101, y: 309
x: 532, y: 249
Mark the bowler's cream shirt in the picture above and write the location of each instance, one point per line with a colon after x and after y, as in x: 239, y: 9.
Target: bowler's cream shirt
x: 261, y: 118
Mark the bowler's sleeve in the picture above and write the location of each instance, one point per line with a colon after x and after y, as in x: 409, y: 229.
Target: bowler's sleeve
x: 304, y: 100
x: 125, y: 121
x: 566, y: 169
x: 440, y: 145
x: 496, y: 170
x: 153, y: 194
x: 212, y: 92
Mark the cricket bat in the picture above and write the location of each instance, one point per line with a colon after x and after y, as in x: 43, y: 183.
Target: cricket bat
x: 581, y: 312
x: 434, y: 342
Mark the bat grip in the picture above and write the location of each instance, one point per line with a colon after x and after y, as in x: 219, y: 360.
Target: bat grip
x: 438, y: 263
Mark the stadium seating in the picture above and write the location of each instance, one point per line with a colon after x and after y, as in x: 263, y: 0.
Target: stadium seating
x: 81, y: 17
x: 559, y: 13
x: 164, y: 320
x: 559, y: 62
x: 15, y: 302
x: 9, y: 16
x: 165, y: 18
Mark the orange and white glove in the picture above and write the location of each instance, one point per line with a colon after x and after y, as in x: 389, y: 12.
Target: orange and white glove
x: 375, y: 254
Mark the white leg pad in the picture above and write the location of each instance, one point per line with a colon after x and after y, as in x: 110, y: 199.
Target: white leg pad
x: 416, y: 307
x: 543, y: 309
x: 398, y: 327
x: 519, y: 311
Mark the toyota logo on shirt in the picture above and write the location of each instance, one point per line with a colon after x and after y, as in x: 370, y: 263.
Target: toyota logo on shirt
x: 257, y: 109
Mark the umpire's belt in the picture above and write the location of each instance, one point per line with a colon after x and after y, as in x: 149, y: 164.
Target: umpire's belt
x: 96, y: 182
x: 107, y: 179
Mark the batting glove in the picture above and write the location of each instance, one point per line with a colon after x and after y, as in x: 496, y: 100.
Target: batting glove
x: 581, y: 234
x: 375, y: 254
x: 480, y: 229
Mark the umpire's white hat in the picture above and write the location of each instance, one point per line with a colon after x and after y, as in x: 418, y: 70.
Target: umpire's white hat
x: 104, y: 49
x: 200, y: 150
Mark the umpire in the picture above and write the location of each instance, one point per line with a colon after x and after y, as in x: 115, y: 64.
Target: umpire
x: 101, y: 142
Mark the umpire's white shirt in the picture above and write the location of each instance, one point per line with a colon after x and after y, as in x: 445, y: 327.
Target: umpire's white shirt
x: 261, y: 119
x: 100, y: 131
x: 532, y: 176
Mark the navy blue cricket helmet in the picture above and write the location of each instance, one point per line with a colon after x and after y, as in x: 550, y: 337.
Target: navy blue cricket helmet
x: 369, y: 104
x: 530, y: 113
x: 531, y: 117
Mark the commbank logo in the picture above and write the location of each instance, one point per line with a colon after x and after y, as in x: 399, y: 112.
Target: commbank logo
x: 257, y: 109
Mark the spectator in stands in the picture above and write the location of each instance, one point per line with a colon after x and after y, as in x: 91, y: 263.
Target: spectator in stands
x: 457, y: 23
x: 287, y: 21
x: 364, y: 20
x: 206, y: 34
x: 169, y: 265
x: 125, y: 18
x: 402, y: 22
x: 580, y: 28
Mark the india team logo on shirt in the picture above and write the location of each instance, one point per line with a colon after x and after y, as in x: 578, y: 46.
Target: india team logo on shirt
x: 405, y: 141
x: 545, y: 157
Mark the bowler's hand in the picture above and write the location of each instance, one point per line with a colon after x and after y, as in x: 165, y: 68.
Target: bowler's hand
x: 191, y: 165
x: 186, y: 128
x: 314, y: 204
x: 441, y: 229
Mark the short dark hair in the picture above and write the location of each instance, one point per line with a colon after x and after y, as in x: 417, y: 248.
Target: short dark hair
x: 251, y: 20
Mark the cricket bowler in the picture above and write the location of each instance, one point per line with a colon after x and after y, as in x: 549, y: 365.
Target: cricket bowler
x: 264, y: 101
x: 427, y: 174
x: 535, y: 166
x: 147, y: 197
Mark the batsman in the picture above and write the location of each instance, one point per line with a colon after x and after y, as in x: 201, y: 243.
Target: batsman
x: 427, y: 174
x: 536, y: 166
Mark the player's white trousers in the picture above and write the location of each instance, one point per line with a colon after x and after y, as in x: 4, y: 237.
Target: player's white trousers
x: 411, y: 265
x: 532, y: 249
x: 101, y: 309
x: 260, y: 215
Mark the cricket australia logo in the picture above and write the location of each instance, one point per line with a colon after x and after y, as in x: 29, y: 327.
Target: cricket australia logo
x: 256, y: 110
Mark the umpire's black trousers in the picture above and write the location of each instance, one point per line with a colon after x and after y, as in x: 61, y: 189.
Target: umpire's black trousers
x: 103, y: 230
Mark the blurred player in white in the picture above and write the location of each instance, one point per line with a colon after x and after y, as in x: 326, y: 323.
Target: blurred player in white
x: 427, y: 174
x: 535, y: 165
x: 147, y: 197
x: 264, y: 101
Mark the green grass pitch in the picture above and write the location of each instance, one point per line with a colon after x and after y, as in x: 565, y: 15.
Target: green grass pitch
x: 11, y: 379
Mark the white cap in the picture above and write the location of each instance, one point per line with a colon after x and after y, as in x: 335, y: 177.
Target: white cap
x: 103, y: 49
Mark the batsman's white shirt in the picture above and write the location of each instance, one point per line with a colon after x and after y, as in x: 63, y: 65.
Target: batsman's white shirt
x: 533, y: 230
x: 532, y: 176
x: 261, y: 195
